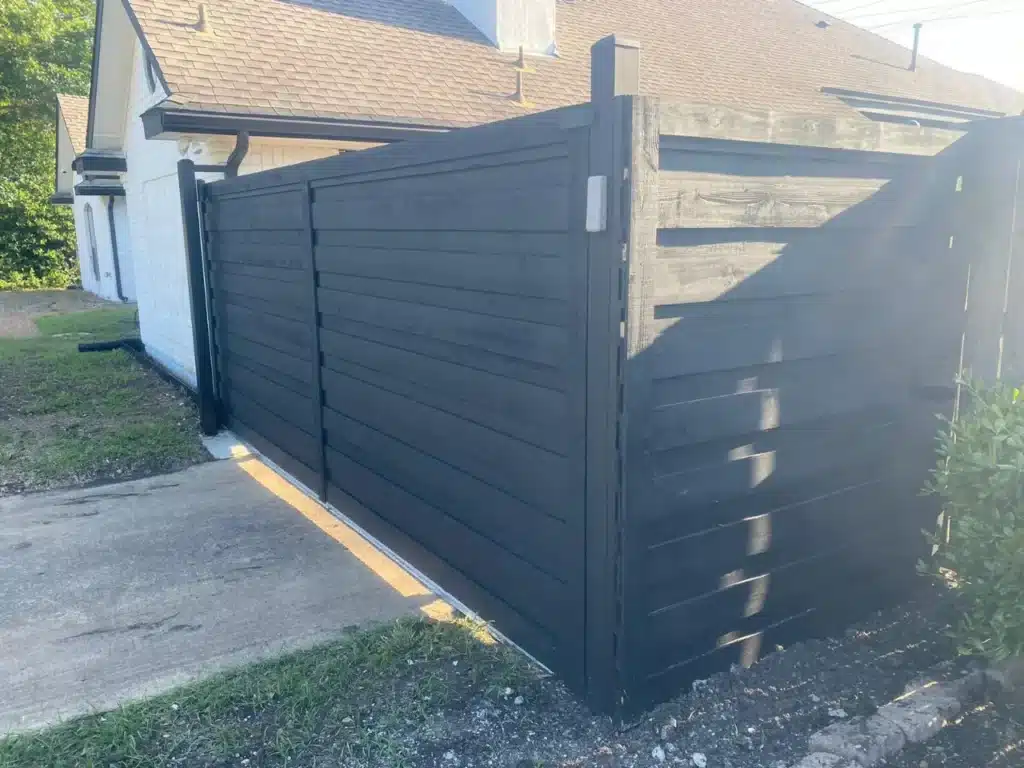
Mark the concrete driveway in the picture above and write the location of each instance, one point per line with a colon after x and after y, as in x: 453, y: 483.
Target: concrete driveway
x: 127, y: 590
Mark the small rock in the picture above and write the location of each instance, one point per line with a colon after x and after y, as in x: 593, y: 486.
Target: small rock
x: 815, y: 698
x: 455, y: 663
x: 667, y: 729
x: 658, y: 753
x: 507, y: 692
x: 174, y: 707
x: 450, y: 757
x: 837, y: 712
x: 518, y: 701
x: 346, y: 719
x: 699, y: 759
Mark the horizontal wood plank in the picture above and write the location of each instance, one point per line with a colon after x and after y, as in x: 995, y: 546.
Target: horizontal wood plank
x: 534, y: 594
x: 285, y: 365
x: 284, y: 335
x: 471, y: 357
x: 530, y: 534
x: 443, y: 242
x: 287, y: 437
x: 716, y: 200
x: 516, y: 275
x: 524, y: 170
x: 271, y: 211
x: 546, y: 643
x: 533, y: 342
x: 535, y: 414
x: 294, y: 408
x: 485, y: 210
x: 854, y: 132
x: 531, y: 474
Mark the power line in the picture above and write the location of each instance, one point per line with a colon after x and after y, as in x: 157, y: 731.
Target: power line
x: 983, y: 14
x: 872, y: 4
x: 921, y: 9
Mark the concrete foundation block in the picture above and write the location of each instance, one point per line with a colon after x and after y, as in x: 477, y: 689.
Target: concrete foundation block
x: 866, y: 741
x: 920, y: 715
x: 824, y: 760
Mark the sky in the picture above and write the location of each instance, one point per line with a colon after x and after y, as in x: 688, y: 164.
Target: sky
x: 981, y: 36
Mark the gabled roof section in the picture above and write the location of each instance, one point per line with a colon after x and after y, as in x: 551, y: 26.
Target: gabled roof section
x: 421, y: 60
x: 74, y: 111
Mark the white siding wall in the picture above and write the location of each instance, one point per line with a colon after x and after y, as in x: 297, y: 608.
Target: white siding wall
x: 106, y: 286
x: 157, y: 243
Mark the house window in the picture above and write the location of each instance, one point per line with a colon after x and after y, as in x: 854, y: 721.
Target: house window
x: 150, y: 75
x: 90, y: 228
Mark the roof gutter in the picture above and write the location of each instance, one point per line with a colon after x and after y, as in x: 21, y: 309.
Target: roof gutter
x: 161, y: 120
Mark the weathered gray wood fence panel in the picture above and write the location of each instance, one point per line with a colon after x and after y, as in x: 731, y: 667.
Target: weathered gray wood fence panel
x: 792, y: 294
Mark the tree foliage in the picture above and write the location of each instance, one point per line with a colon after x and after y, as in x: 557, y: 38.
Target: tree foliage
x: 45, y: 49
x: 980, y: 479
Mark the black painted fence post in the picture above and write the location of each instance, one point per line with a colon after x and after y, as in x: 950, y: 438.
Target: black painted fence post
x: 615, y: 72
x: 197, y: 287
x: 309, y: 241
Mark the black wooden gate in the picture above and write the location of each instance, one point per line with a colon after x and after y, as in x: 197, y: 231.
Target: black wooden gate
x: 402, y: 330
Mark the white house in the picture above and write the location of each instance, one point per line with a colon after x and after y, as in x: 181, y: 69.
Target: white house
x: 265, y: 83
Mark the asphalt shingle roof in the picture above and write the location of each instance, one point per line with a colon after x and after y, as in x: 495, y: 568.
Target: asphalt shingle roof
x: 421, y: 60
x: 75, y: 111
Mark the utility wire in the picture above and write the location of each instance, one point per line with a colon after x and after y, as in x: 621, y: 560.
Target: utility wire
x: 980, y: 15
x: 922, y: 9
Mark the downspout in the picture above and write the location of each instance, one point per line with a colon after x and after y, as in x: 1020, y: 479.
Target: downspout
x: 237, y: 155
x: 113, y: 249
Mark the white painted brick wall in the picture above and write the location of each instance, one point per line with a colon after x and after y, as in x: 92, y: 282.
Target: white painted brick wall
x: 154, y: 221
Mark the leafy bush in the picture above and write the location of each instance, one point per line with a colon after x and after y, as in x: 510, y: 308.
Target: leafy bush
x: 45, y: 49
x: 37, y: 239
x: 980, y: 479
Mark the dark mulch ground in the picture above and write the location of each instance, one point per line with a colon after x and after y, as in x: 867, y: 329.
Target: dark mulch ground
x: 751, y: 718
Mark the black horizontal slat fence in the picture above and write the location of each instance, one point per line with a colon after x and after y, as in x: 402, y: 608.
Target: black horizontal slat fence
x: 793, y: 298
x: 650, y: 385
x: 405, y: 331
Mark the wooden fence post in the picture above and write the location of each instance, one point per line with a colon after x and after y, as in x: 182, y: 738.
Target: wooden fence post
x: 614, y: 72
x: 209, y: 422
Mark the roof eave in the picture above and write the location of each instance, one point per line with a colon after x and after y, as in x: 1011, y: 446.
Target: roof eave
x: 62, y: 198
x: 99, y: 189
x: 92, y: 161
x: 161, y: 121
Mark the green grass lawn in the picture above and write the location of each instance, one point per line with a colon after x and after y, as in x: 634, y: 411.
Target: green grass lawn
x: 71, y: 418
x: 355, y: 702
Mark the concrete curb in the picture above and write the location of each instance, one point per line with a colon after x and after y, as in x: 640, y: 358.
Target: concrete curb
x: 920, y: 713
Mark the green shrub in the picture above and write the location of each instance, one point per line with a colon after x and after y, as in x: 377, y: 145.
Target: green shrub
x: 980, y: 479
x: 37, y: 239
